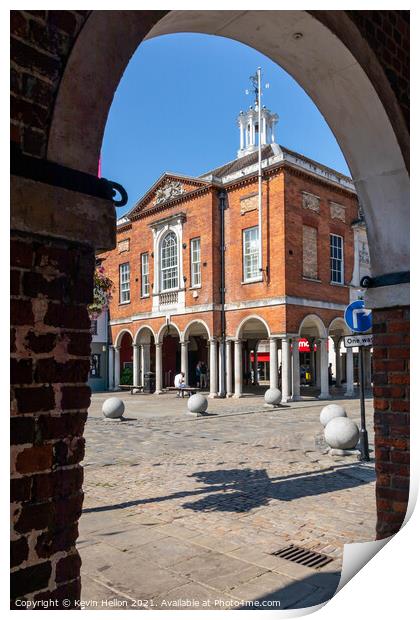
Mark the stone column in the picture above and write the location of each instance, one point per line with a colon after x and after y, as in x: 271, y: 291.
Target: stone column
x: 252, y: 133
x: 264, y: 131
x: 241, y: 134
x: 349, y: 373
x: 337, y: 346
x: 274, y: 364
x: 295, y: 369
x: 184, y: 359
x: 117, y: 369
x: 285, y: 370
x: 229, y: 368
x: 111, y: 384
x: 158, y: 347
x: 136, y: 365
x: 325, y: 391
x: 213, y: 368
x: 238, y: 369
x: 145, y: 360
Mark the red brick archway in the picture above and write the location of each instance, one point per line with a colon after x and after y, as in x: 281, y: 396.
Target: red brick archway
x: 65, y: 68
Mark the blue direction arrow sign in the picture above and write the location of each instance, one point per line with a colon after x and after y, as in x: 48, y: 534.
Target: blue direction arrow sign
x: 357, y: 317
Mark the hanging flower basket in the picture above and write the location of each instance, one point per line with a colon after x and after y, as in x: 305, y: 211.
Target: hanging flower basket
x: 102, y: 293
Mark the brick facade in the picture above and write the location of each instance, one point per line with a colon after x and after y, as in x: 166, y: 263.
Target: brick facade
x: 391, y: 361
x: 50, y: 347
x: 284, y: 217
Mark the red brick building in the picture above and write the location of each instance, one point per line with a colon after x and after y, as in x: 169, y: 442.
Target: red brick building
x: 168, y: 313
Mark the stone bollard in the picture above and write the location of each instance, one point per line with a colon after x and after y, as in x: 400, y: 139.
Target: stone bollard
x: 197, y: 405
x: 330, y: 412
x: 342, y: 435
x: 113, y: 408
x: 272, y: 398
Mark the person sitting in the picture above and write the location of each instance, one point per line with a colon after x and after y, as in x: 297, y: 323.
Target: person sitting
x: 179, y: 382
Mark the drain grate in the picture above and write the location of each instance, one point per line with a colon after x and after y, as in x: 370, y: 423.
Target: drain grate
x: 303, y: 556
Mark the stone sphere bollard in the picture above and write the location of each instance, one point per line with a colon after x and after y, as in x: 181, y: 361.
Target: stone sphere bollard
x: 113, y: 408
x: 272, y: 396
x: 330, y: 412
x: 341, y: 433
x: 197, y: 403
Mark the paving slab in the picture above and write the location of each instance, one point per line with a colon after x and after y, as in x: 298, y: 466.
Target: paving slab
x: 168, y: 551
x: 194, y: 596
x: 177, y: 505
x: 218, y: 570
x: 273, y: 587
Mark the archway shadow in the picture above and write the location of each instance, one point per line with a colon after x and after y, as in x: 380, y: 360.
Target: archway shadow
x: 241, y: 490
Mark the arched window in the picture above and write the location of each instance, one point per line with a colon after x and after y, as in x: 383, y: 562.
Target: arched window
x: 169, y: 262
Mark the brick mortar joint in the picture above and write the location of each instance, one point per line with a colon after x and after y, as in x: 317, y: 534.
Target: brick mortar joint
x: 26, y: 41
x: 59, y: 468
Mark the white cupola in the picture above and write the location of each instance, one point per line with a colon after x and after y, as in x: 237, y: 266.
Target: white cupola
x: 248, y: 129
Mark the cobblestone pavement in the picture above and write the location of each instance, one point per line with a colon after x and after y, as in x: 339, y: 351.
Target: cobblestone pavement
x: 185, y: 512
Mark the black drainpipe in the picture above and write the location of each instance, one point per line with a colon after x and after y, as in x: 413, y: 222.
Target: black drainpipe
x: 222, y: 207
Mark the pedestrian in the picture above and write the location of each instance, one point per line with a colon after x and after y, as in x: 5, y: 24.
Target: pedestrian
x: 203, y: 376
x: 198, y: 374
x: 179, y: 383
x: 330, y: 374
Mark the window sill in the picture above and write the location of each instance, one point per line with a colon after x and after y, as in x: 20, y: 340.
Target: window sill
x: 338, y: 284
x: 256, y: 280
x: 169, y: 290
x: 144, y: 296
x: 195, y: 288
x: 310, y: 279
x: 124, y: 303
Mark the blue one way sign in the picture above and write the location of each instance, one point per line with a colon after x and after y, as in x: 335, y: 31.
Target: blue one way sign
x: 357, y: 317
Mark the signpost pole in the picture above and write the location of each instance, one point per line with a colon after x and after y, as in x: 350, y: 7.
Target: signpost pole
x: 364, y: 443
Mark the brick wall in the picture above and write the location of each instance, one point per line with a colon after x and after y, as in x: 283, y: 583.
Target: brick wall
x: 40, y: 44
x: 388, y: 33
x: 51, y: 283
x: 202, y: 220
x: 296, y: 216
x: 391, y: 381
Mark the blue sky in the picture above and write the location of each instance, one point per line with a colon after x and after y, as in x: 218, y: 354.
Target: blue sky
x: 176, y: 106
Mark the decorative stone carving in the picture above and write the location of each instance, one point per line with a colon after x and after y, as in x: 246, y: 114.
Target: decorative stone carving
x: 168, y: 191
x: 123, y: 245
x: 364, y: 253
x: 310, y: 201
x: 249, y: 203
x: 338, y: 212
x: 310, y: 252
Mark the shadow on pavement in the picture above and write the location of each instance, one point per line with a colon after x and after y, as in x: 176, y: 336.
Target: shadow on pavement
x: 240, y: 490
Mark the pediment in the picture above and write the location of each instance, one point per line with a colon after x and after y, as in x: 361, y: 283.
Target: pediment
x: 166, y: 188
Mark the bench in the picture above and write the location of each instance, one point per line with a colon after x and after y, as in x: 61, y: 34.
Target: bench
x: 131, y: 388
x: 188, y: 390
